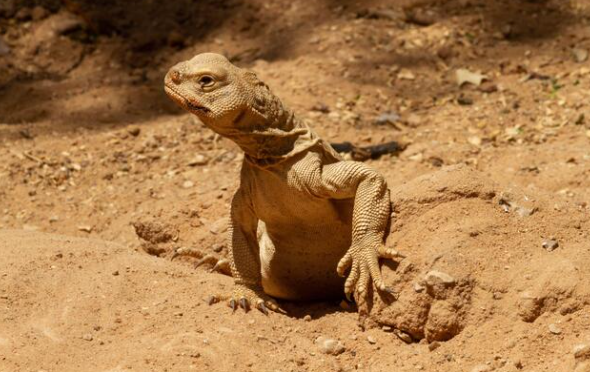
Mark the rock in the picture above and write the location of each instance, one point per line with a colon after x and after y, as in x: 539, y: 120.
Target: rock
x: 421, y: 17
x: 388, y: 117
x: 371, y: 340
x: 220, y: 226
x: 580, y: 55
x: 403, y: 336
x: 433, y: 345
x: 550, y: 245
x: 329, y: 345
x: 419, y: 288
x: 464, y: 76
x: 87, y: 337
x: 434, y: 277
x: 413, y: 120
x: 134, y: 131
x: 406, y: 75
x: 481, y: 368
x: 198, y: 159
x: 85, y: 228
x: 554, y: 329
x: 307, y: 318
x: 188, y: 184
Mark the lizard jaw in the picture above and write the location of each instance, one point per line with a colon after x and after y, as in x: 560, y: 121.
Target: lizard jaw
x: 184, y: 102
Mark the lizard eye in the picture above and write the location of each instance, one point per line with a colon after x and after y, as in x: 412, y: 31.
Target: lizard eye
x: 206, y: 81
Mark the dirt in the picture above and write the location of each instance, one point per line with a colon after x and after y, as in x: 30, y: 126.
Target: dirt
x: 103, y: 179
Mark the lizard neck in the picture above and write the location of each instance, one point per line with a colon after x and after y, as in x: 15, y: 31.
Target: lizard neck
x: 270, y: 136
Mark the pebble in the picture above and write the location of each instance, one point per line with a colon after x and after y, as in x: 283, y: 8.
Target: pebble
x: 403, y: 336
x: 481, y: 368
x: 198, y: 159
x: 134, y: 131
x: 419, y: 288
x: 433, y: 345
x: 435, y: 277
x: 87, y: 337
x: 371, y: 340
x: 580, y: 55
x: 188, y: 184
x: 388, y: 117
x: 329, y: 345
x: 550, y: 245
x: 553, y: 328
x: 307, y: 318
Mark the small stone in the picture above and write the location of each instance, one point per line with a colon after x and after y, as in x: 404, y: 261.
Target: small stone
x: 435, y: 277
x: 433, y: 345
x: 134, y: 131
x: 187, y: 184
x: 481, y: 368
x: 371, y: 340
x: 85, y: 228
x: 87, y: 337
x: 388, y: 117
x: 406, y: 75
x: 580, y: 55
x: 116, y: 273
x: 413, y: 120
x: 307, y: 318
x: 217, y: 247
x: 329, y: 345
x: 403, y: 336
x: 198, y: 159
x: 553, y: 328
x: 550, y: 244
x: 418, y: 288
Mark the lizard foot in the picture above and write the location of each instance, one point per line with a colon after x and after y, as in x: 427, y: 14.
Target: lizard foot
x: 363, y: 261
x: 246, y: 297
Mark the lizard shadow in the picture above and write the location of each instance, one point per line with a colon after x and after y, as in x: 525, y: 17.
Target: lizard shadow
x: 319, y: 309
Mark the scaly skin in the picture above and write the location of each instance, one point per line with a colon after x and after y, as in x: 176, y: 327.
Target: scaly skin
x: 302, y: 217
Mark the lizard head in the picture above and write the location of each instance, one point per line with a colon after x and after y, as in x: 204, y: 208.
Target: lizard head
x: 226, y: 98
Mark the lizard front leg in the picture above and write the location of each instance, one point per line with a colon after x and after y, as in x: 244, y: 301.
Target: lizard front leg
x: 245, y: 258
x: 371, y: 213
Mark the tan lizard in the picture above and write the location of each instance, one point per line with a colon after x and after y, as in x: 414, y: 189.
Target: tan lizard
x: 302, y: 216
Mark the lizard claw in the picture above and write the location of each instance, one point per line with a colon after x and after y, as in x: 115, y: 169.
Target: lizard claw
x: 262, y: 307
x: 244, y: 304
x: 245, y: 297
x: 363, y: 260
x: 233, y: 305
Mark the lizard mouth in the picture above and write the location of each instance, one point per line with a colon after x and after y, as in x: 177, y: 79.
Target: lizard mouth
x: 184, y: 102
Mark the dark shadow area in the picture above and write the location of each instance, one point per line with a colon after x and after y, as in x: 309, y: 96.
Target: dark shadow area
x: 146, y: 37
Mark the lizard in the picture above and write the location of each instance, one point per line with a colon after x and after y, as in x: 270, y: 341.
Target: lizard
x: 304, y: 223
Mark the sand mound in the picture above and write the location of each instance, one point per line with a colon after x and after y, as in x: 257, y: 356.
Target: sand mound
x: 477, y: 252
x: 476, y: 275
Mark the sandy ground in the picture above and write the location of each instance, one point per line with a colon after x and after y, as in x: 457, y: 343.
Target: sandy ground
x: 491, y: 193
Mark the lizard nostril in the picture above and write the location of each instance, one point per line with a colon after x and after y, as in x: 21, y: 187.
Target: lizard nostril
x: 175, y: 77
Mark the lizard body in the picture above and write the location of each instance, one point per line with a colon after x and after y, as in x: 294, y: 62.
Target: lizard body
x: 302, y: 217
